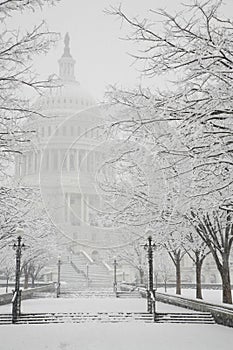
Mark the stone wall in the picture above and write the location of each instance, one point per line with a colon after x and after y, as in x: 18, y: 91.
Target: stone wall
x: 27, y: 293
x: 222, y: 314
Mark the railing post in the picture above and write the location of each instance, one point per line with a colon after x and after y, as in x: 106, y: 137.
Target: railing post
x: 19, y: 303
x: 154, y: 306
x: 149, y: 247
x: 16, y: 300
x: 14, y: 307
x: 148, y: 301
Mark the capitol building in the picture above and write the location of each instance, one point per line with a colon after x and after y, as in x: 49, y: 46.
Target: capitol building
x: 62, y: 163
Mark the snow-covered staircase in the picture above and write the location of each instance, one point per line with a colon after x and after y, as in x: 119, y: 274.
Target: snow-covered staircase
x: 87, y: 293
x: 99, y: 276
x: 185, y: 317
x: 80, y: 272
x: 128, y: 294
x: 5, y: 319
x: 80, y: 317
x: 108, y: 317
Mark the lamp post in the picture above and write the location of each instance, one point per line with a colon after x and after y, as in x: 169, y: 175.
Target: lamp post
x: 149, y: 247
x: 58, y: 277
x: 16, y: 300
x: 114, y: 275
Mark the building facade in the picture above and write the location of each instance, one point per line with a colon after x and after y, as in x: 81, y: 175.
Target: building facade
x: 64, y: 157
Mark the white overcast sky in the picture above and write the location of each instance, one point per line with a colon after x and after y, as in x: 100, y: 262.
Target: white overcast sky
x: 101, y: 57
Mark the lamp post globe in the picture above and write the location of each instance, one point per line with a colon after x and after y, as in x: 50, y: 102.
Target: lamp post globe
x: 19, y: 232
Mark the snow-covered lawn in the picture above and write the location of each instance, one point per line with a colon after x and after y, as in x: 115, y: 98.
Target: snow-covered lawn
x: 119, y: 336
x: 3, y: 290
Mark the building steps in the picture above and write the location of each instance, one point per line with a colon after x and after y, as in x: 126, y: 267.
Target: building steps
x: 79, y: 273
x: 108, y: 317
x: 88, y: 294
x: 195, y: 317
x: 80, y: 317
x: 128, y: 294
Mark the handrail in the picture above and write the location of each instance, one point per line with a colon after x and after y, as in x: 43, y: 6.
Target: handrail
x: 107, y: 266
x: 152, y: 295
x: 87, y: 256
x: 14, y: 297
x: 78, y: 270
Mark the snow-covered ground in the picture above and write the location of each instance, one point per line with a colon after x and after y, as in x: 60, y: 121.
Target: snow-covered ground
x: 124, y: 336
x: 88, y: 305
x: 3, y: 290
x: 105, y: 336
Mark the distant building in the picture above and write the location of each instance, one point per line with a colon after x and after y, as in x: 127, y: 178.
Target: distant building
x: 63, y: 162
x: 66, y: 154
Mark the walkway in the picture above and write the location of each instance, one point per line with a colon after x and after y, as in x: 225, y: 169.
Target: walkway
x: 88, y: 305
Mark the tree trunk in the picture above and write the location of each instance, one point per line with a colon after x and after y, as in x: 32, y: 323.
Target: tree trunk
x: 33, y: 281
x: 26, y: 280
x: 178, y: 277
x: 165, y: 285
x: 156, y: 281
x: 7, y: 284
x: 226, y: 283
x: 198, y: 277
x: 141, y: 276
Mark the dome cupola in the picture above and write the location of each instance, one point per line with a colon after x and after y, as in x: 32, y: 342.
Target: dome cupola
x: 66, y: 62
x: 69, y: 96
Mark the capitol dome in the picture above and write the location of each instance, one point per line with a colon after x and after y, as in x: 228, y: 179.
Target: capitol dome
x: 69, y: 94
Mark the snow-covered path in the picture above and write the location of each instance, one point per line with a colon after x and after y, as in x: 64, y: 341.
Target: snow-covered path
x: 88, y: 305
x: 105, y: 336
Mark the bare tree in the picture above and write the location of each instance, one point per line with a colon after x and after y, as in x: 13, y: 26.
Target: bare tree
x: 17, y: 78
x: 197, y: 249
x: 216, y: 230
x: 173, y: 245
x: 163, y: 266
x: 7, y: 259
x: 134, y: 255
x: 195, y: 46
